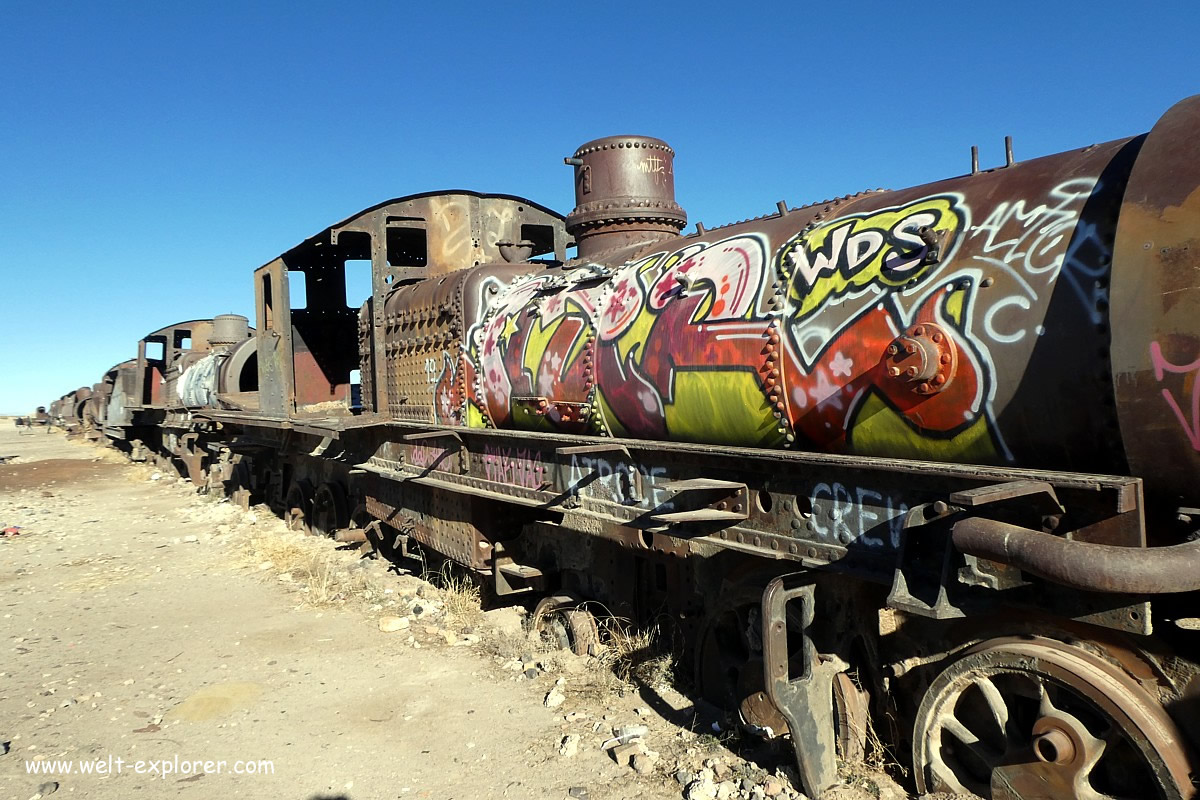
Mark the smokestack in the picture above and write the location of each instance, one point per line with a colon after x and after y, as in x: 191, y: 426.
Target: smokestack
x: 624, y: 194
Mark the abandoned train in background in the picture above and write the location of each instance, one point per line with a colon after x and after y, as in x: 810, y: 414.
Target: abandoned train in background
x: 924, y: 459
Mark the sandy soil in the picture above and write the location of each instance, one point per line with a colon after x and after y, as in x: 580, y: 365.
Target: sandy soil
x: 145, y: 623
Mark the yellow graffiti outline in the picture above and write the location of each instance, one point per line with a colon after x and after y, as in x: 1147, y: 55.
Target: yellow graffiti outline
x: 950, y: 220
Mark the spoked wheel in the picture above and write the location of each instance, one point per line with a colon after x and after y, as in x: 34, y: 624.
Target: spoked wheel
x: 561, y: 621
x: 298, y: 507
x: 329, y: 509
x: 729, y: 662
x: 1036, y: 718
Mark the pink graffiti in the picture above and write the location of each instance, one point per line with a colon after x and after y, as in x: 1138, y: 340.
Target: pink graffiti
x: 1161, y: 368
x: 424, y: 457
x: 732, y: 270
x: 514, y: 466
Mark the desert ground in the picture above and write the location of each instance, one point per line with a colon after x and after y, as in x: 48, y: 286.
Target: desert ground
x: 162, y: 643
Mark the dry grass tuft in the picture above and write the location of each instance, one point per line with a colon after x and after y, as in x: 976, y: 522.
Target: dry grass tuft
x: 460, y: 595
x: 323, y: 576
x: 636, y: 655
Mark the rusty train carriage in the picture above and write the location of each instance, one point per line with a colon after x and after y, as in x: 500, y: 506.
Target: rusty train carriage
x: 936, y: 444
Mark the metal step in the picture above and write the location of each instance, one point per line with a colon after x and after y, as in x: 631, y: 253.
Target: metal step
x: 695, y: 484
x: 522, y: 571
x: 699, y: 515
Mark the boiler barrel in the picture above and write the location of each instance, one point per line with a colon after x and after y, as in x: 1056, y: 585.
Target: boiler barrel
x: 1042, y: 315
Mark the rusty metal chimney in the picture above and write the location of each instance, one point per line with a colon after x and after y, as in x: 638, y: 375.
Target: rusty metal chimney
x: 624, y: 194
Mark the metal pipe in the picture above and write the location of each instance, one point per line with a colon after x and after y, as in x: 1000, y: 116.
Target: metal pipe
x: 1083, y: 565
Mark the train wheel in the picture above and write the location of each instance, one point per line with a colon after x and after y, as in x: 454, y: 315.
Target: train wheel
x: 237, y: 487
x: 1033, y: 717
x: 329, y: 509
x: 560, y: 620
x: 298, y: 507
x: 729, y: 661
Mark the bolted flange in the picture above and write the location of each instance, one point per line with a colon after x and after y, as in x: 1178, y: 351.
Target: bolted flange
x: 924, y: 357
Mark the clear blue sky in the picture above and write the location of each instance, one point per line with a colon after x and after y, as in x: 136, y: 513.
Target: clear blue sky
x: 153, y: 154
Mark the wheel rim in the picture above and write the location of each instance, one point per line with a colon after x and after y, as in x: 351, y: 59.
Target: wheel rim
x: 328, y: 510
x: 1036, y: 718
x: 298, y: 509
x: 560, y: 621
x: 730, y: 665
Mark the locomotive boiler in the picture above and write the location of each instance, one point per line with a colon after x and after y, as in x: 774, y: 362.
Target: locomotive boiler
x: 923, y: 461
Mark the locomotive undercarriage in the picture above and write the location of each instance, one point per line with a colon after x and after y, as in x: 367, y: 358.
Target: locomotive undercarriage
x: 817, y: 596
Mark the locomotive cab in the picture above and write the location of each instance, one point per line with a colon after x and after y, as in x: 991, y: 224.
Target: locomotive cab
x: 311, y: 341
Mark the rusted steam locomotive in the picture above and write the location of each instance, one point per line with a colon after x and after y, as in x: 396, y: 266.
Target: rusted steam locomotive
x: 925, y: 458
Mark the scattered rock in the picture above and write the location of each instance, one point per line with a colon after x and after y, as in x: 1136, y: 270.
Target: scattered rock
x: 772, y: 787
x: 643, y: 763
x: 683, y: 777
x: 506, y: 620
x: 532, y: 673
x: 623, y: 753
x: 393, y: 624
x: 726, y: 790
x: 569, y: 746
x: 700, y: 789
x: 578, y: 792
x: 554, y: 698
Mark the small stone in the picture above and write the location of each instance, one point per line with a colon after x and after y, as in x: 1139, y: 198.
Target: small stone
x: 643, y: 763
x: 772, y: 787
x: 530, y: 673
x: 191, y: 539
x: 578, y: 792
x: 49, y: 787
x: 748, y: 785
x: 700, y: 790
x: 683, y: 777
x: 569, y: 745
x: 757, y: 793
x: 554, y: 698
x: 726, y: 790
x: 393, y: 624
x: 623, y: 753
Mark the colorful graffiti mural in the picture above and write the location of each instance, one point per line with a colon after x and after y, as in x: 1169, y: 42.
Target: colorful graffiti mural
x: 867, y: 332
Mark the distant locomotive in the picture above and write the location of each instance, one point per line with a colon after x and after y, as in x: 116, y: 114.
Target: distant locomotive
x: 939, y: 443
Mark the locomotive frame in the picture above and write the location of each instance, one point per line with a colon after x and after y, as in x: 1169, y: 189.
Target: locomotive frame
x: 1041, y: 619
